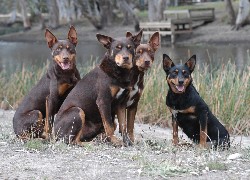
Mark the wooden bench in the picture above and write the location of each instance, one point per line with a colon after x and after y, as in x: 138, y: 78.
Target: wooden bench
x: 176, y: 14
x: 171, y: 27
x: 202, y: 14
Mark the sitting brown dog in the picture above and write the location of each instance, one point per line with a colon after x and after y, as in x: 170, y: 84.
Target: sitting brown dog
x: 86, y: 112
x: 128, y: 99
x: 45, y: 99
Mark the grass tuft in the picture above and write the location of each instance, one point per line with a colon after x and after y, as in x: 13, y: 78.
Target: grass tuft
x: 35, y: 145
x: 216, y: 165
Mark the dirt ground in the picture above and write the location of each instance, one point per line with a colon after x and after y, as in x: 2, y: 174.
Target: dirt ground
x: 152, y: 157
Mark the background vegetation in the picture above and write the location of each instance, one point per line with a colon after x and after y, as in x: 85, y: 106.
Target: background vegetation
x: 225, y: 89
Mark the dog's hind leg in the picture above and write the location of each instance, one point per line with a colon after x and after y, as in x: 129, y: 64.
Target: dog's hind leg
x: 29, y: 125
x: 69, y: 126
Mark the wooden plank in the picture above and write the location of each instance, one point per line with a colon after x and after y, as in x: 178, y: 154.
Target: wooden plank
x: 202, y: 14
x: 177, y: 14
x: 171, y: 27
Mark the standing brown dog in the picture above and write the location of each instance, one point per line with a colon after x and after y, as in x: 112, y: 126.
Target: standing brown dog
x: 86, y: 112
x: 45, y: 99
x: 127, y: 99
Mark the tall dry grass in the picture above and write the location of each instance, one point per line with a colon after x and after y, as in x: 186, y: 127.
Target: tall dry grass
x: 225, y: 89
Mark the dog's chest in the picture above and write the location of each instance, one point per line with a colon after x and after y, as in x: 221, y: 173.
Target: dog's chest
x: 190, y: 111
x: 62, y: 88
x: 135, y: 90
x: 131, y: 95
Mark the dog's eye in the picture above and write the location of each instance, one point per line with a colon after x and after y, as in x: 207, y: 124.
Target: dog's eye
x: 175, y: 72
x: 184, y: 73
x: 140, y: 51
x: 119, y: 47
x: 129, y: 46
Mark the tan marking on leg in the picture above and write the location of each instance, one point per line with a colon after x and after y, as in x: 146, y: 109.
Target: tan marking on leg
x: 121, y: 115
x: 203, y: 137
x: 109, y: 130
x: 175, y: 132
x: 130, y: 122
x: 77, y: 139
x: 47, y: 128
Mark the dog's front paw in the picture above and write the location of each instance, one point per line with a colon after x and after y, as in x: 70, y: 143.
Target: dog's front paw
x: 126, y: 140
x: 115, y: 141
x: 175, y: 141
x: 203, y: 145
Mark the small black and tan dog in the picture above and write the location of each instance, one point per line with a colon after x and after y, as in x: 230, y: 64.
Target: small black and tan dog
x: 86, y: 112
x: 128, y: 99
x: 189, y: 111
x: 46, y: 97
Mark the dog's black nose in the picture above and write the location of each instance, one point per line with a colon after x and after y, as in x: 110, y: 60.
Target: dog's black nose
x: 181, y: 81
x: 125, y: 58
x: 65, y: 58
x: 147, y: 63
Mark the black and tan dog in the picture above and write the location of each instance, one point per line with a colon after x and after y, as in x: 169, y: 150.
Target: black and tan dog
x: 127, y: 99
x: 86, y: 112
x: 189, y: 111
x: 46, y: 97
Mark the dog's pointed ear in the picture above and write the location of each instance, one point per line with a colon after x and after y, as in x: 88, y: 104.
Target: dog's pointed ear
x: 137, y: 38
x: 191, y: 63
x: 105, y: 40
x: 72, y: 35
x: 167, y: 63
x: 154, y: 41
x: 50, y: 38
x: 129, y: 34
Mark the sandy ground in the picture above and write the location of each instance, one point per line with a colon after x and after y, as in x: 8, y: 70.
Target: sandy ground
x: 152, y: 157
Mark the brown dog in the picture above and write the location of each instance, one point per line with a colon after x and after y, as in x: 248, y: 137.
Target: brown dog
x: 127, y: 99
x: 86, y: 112
x: 45, y: 99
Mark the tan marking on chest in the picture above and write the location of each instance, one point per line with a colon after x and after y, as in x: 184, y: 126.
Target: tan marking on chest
x: 63, y: 88
x: 114, y: 90
x: 191, y: 109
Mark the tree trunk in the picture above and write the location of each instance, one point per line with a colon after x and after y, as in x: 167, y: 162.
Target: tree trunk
x: 156, y: 9
x: 91, y: 10
x: 106, y: 12
x: 13, y: 13
x: 128, y: 12
x: 230, y: 12
x: 243, y: 13
x: 53, y: 14
x: 63, y: 11
x: 38, y: 14
x: 26, y: 20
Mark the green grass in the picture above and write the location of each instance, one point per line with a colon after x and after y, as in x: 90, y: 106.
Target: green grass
x: 35, y: 145
x: 224, y: 89
x: 216, y: 165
